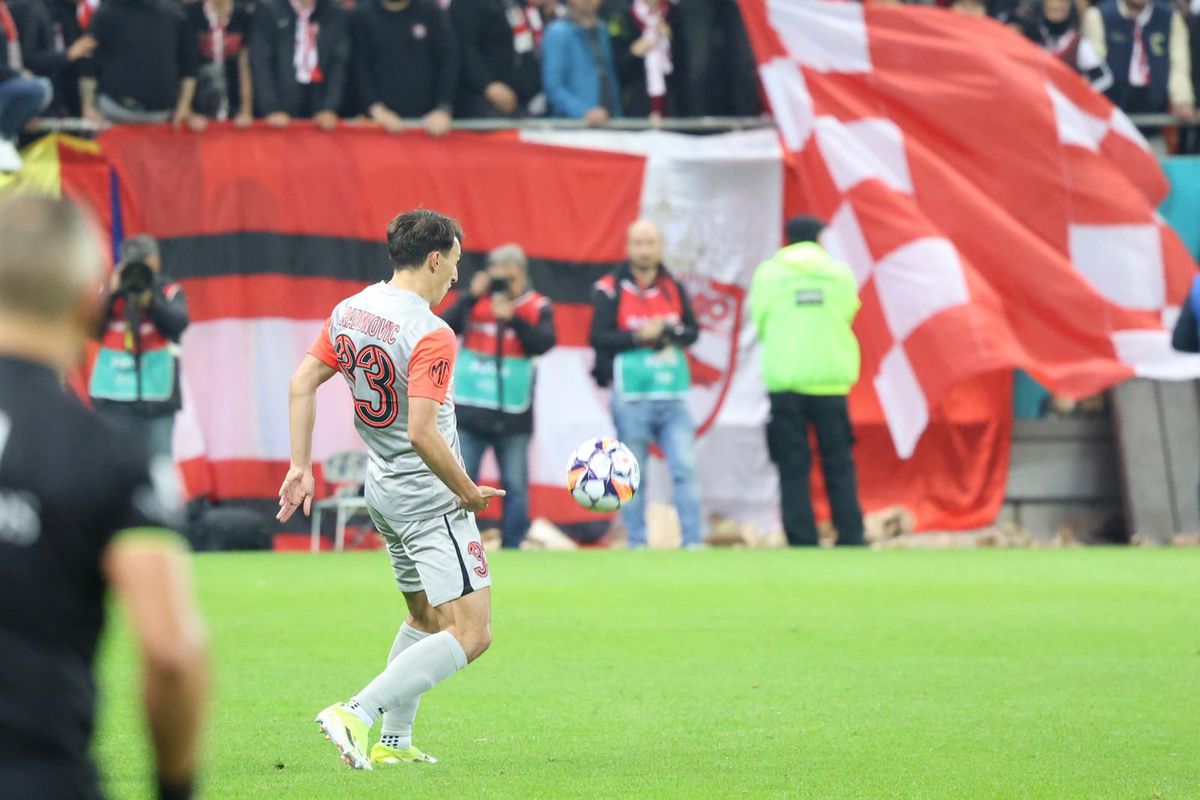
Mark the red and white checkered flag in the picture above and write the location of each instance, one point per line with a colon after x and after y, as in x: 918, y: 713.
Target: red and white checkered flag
x: 997, y: 211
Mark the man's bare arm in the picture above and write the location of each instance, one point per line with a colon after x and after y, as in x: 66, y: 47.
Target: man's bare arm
x: 298, y: 486
x: 433, y: 449
x: 87, y: 96
x: 246, y: 86
x: 183, y: 105
x: 150, y: 573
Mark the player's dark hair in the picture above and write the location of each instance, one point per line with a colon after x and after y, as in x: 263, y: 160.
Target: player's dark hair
x: 413, y: 235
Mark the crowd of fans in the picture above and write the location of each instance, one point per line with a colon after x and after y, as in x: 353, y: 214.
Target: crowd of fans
x: 397, y: 62
x: 1143, y: 54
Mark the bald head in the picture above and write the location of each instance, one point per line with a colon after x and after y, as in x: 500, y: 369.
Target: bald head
x: 644, y: 245
x: 644, y: 227
x: 49, y: 261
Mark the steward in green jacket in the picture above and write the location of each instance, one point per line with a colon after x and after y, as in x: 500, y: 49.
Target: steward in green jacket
x: 803, y: 302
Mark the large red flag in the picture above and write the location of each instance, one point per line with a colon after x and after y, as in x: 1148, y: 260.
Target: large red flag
x: 997, y: 211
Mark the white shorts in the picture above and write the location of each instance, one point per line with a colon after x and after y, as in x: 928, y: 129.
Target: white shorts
x: 442, y: 557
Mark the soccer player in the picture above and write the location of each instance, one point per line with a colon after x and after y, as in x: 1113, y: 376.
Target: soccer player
x: 80, y: 512
x: 398, y: 359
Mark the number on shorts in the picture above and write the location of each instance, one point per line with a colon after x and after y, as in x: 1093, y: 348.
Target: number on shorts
x: 476, y: 549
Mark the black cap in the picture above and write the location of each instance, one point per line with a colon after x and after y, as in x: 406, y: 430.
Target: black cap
x: 803, y: 229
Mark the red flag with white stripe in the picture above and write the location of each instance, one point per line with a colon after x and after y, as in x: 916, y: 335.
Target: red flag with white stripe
x: 997, y: 211
x: 265, y: 243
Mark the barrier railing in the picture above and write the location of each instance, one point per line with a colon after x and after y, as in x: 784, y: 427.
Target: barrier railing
x: 697, y: 125
x: 1160, y: 121
x: 678, y: 125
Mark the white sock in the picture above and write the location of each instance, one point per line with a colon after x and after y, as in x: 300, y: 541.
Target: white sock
x: 398, y: 723
x: 358, y: 710
x: 415, y: 671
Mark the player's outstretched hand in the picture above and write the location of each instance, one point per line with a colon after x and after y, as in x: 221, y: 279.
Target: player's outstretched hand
x: 480, y: 501
x: 297, y: 490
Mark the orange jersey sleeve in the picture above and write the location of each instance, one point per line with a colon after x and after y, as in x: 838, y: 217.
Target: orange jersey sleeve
x: 431, y: 365
x: 322, y: 348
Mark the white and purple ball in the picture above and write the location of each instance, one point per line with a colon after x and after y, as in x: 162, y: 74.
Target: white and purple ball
x: 603, y: 475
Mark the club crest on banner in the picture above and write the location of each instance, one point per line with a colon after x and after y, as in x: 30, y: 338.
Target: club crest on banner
x: 713, y: 358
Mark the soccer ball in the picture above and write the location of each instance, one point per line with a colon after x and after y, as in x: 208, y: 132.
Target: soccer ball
x: 603, y: 475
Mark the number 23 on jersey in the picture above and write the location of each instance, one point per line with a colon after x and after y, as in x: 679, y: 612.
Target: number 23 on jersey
x: 378, y: 407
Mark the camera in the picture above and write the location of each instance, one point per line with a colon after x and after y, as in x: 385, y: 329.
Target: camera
x: 136, y: 277
x: 499, y: 286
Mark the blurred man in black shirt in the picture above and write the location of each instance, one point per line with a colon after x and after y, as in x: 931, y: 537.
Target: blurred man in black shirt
x: 80, y: 511
x: 144, y: 69
x: 406, y: 63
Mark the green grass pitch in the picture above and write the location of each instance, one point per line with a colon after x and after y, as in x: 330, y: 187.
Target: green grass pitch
x: 828, y: 674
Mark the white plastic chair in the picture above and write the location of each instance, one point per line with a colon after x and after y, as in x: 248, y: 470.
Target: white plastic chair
x: 347, y: 471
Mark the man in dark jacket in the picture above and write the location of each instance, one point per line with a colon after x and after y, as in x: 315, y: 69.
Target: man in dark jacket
x: 1186, y: 336
x: 717, y: 65
x: 488, y: 60
x: 53, y: 45
x: 305, y: 82
x: 406, y: 63
x: 645, y: 53
x: 528, y: 20
x: 135, y: 381
x: 1145, y: 43
x: 506, y: 326
x: 22, y: 97
x: 144, y: 69
x: 642, y: 323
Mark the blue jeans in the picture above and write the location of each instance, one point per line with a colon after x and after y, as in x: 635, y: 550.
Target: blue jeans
x: 22, y: 99
x: 668, y: 424
x: 512, y: 454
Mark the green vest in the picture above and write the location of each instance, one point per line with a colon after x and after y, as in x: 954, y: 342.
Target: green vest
x: 477, y: 382
x: 803, y: 304
x: 121, y: 377
x: 645, y: 374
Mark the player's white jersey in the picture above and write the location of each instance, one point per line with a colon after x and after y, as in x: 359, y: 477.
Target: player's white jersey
x: 389, y: 346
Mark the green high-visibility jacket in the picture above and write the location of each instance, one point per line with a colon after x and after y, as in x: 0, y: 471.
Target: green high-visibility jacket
x: 803, y: 303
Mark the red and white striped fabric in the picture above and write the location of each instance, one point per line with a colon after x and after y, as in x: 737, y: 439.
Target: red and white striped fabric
x: 997, y: 212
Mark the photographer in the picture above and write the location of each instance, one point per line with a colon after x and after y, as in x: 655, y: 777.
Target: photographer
x: 506, y: 325
x: 135, y: 382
